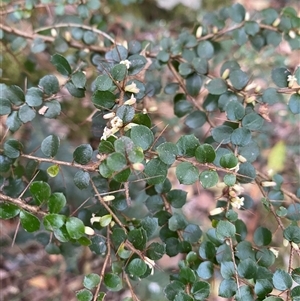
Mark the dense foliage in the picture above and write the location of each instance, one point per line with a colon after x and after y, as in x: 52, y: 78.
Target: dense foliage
x: 173, y: 113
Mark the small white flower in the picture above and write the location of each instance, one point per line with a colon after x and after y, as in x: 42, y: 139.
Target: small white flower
x: 108, y: 132
x: 126, y: 63
x: 238, y: 188
x: 116, y: 122
x: 95, y: 219
x: 237, y: 202
x: 131, y: 101
x: 291, y: 79
x: 132, y: 88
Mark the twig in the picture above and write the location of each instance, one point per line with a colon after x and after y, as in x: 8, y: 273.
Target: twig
x: 20, y: 203
x: 82, y: 26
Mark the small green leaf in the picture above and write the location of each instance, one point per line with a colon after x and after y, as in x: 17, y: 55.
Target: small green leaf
x: 5, y: 106
x: 53, y: 221
x: 193, y: 84
x: 192, y: 233
x: 112, y: 281
x: 294, y: 103
x: 173, y: 288
x: 103, y: 82
x: 26, y: 113
x: 34, y: 97
x: 227, y: 288
x: 50, y: 145
x: 205, y: 153
x: 187, y: 173
x: 222, y: 134
x: 142, y: 136
x: 12, y: 148
x: 82, y: 179
x: 74, y: 91
x: 53, y: 109
x: 137, y: 267
x: 91, y: 280
x: 56, y: 202
x: 205, y: 270
x: 29, y: 222
x: 79, y: 79
x: 40, y: 191
x: 167, y: 152
x: 217, y: 86
x: 187, y: 145
x: 116, y: 161
x: 229, y: 161
x: 292, y: 234
x: 282, y: 280
x: 155, y: 251
x: 49, y: 84
x: 251, y: 28
x: 247, y: 268
x: 263, y: 287
x: 208, y: 178
x: 103, y: 99
x: 270, y: 96
x: 138, y: 63
x: 53, y: 170
x: 84, y: 295
x: 225, y: 230
x: 262, y: 236
x: 239, y: 79
x: 105, y: 220
x: 119, y: 72
x: 177, y: 222
x: 205, y: 49
x: 61, y: 64
x: 75, y: 227
x: 8, y: 211
x: 176, y: 197
x: 200, y: 290
x: 83, y: 154
x: 229, y: 179
x: 253, y: 122
x: 98, y: 245
x: 280, y: 76
x: 155, y: 171
x: 237, y: 12
x: 138, y: 237
x: 241, y: 136
x: 296, y: 275
x: 195, y: 119
x: 235, y: 110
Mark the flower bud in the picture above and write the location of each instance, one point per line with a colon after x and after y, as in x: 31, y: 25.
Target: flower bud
x: 199, y: 32
x: 109, y: 115
x: 215, y: 30
x: 292, y: 34
x: 132, y: 88
x: 268, y: 184
x: 276, y: 22
x: 242, y: 159
x: 250, y: 99
x: 138, y: 166
x: 226, y: 73
x: 108, y: 198
x: 89, y: 230
x: 216, y: 211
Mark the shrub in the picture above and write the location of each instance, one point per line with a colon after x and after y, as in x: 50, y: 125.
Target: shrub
x: 197, y: 109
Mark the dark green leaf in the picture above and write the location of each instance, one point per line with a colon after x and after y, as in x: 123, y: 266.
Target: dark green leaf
x: 262, y: 236
x: 138, y: 62
x: 103, y: 99
x: 177, y: 222
x: 282, y: 280
x: 26, y: 113
x: 173, y: 288
x: 113, y: 282
x: 84, y: 295
x: 12, y: 148
x: 75, y: 227
x: 240, y: 36
x: 50, y: 84
x: 246, y: 173
x: 227, y: 288
x: 205, y: 153
x: 200, y: 65
x: 79, y: 79
x: 222, y: 134
x: 227, y: 269
x: 142, y: 136
x: 29, y: 222
x: 217, y: 86
x: 280, y: 76
x: 241, y: 136
x: 50, y: 145
x: 229, y: 161
x: 8, y: 210
x: 83, y: 154
x: 119, y: 72
x: 263, y: 287
x: 74, y: 91
x: 294, y: 103
x: 98, y: 245
x: 34, y: 97
x: 155, y: 171
x: 292, y: 234
x: 205, y: 50
x: 196, y: 119
x: 193, y: 84
x: 247, y: 268
x: 205, y: 270
x: 187, y: 145
x: 40, y: 191
x: 91, y: 280
x: 239, y: 79
x: 208, y: 178
x: 237, y: 12
x: 225, y: 230
x: 192, y: 233
x: 235, y: 110
x: 187, y: 173
x: 251, y: 28
x: 103, y: 82
x: 207, y: 250
x: 253, y: 122
x: 53, y: 109
x: 116, y: 161
x: 200, y: 290
x: 12, y: 93
x: 53, y: 221
x: 138, y: 237
x: 56, y: 202
x: 82, y: 179
x: 61, y: 64
x: 176, y: 197
x: 137, y: 267
x: 5, y: 106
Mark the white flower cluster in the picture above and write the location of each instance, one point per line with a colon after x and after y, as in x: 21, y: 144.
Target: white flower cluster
x: 234, y: 192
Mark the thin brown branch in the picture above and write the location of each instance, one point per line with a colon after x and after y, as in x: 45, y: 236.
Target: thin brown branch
x: 21, y: 204
x: 90, y: 168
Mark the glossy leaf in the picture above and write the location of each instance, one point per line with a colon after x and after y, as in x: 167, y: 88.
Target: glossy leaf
x: 205, y: 153
x: 208, y: 178
x: 155, y: 171
x: 187, y: 145
x: 195, y: 119
x: 83, y: 154
x: 282, y: 280
x: 61, y: 64
x: 103, y: 99
x: 50, y: 145
x: 8, y: 210
x: 29, y: 222
x: 56, y: 202
x: 187, y: 173
x: 193, y: 84
x: 12, y: 148
x: 113, y: 282
x: 217, y: 86
x: 142, y: 136
x: 239, y: 79
x: 82, y: 179
x: 40, y: 191
x: 75, y: 227
x: 91, y: 280
x: 103, y: 82
x: 176, y: 197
